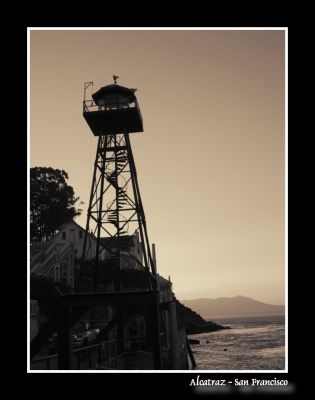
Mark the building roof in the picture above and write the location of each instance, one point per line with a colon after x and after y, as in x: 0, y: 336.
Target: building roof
x: 71, y: 222
x: 162, y: 281
x: 113, y: 89
x: 77, y: 225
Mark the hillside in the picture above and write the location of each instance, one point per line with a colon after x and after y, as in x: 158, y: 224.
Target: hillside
x: 232, y: 306
x: 193, y: 322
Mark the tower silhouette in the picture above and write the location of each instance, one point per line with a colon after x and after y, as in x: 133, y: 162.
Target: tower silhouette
x: 115, y: 219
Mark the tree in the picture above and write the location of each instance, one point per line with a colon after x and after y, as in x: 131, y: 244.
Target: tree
x: 52, y: 202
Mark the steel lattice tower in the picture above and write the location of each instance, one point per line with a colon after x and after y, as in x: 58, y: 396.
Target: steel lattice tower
x: 115, y: 211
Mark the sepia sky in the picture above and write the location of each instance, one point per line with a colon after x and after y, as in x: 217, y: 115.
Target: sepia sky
x: 211, y: 160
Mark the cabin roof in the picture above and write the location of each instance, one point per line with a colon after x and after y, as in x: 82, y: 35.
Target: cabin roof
x: 113, y: 89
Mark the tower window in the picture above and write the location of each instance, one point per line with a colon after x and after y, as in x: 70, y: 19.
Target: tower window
x: 64, y: 235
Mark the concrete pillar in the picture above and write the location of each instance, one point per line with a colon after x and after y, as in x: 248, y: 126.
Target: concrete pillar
x: 153, y: 329
x: 173, y: 335
x: 154, y: 255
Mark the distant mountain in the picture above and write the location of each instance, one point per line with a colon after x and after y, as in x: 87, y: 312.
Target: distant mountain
x: 231, y: 306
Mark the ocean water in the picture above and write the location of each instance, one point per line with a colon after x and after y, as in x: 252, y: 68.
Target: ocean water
x: 252, y: 343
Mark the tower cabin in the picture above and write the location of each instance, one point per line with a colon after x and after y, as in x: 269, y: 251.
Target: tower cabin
x: 113, y: 109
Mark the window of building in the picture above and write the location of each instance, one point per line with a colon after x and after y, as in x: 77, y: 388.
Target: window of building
x: 80, y: 235
x: 72, y: 235
x: 64, y: 235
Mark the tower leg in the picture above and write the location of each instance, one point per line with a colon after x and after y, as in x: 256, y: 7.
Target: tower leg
x: 173, y: 335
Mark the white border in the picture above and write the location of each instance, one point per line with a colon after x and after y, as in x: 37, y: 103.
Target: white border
x: 28, y: 197
x: 285, y: 29
x: 155, y: 29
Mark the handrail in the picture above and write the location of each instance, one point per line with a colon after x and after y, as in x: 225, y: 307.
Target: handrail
x: 109, y: 363
x: 118, y: 362
x: 39, y: 246
x: 38, y: 256
x: 58, y: 257
x: 35, y: 263
x: 56, y: 253
x: 65, y: 250
x: 40, y: 359
x: 51, y: 248
x: 90, y: 106
x: 47, y: 359
x: 44, y: 253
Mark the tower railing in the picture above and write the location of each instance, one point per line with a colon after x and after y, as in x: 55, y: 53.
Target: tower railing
x: 90, y: 106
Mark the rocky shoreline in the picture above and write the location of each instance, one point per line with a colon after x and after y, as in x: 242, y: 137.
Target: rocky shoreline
x: 208, y: 326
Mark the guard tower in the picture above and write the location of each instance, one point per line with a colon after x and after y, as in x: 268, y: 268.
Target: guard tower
x: 115, y: 212
x: 113, y: 110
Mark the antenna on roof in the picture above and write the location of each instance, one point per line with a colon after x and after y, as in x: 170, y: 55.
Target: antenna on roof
x: 115, y: 77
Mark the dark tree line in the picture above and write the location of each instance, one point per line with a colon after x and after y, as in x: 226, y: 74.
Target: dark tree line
x: 52, y: 202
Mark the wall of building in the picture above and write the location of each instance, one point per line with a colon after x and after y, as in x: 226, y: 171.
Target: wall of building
x: 130, y: 261
x: 74, y: 233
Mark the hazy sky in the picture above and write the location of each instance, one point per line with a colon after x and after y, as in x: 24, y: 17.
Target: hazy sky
x: 211, y: 159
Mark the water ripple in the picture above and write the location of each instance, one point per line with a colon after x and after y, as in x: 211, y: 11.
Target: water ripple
x: 253, y: 343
